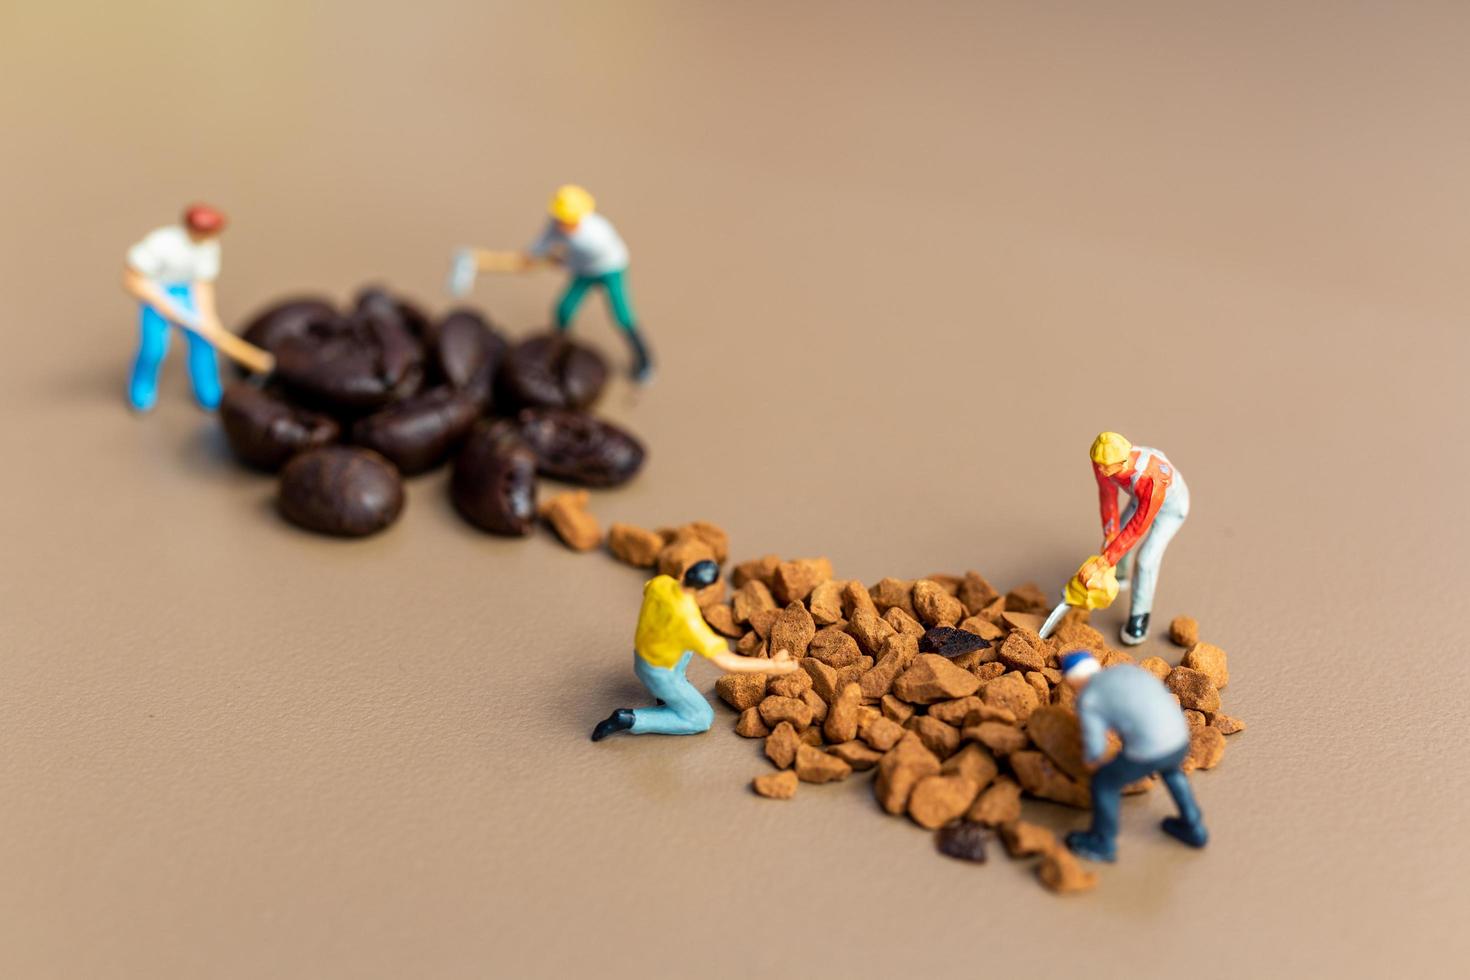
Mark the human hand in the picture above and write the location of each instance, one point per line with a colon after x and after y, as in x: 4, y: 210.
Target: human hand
x: 1092, y: 571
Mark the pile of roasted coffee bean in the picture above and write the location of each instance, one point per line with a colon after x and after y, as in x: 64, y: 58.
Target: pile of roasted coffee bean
x: 362, y: 397
x: 941, y: 686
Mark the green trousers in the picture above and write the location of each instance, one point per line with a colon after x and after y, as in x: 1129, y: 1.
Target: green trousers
x: 616, y: 288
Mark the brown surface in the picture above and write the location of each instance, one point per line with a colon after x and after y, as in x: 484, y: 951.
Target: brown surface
x: 900, y: 267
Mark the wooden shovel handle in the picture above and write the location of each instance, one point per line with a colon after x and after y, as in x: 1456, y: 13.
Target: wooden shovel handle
x: 237, y: 349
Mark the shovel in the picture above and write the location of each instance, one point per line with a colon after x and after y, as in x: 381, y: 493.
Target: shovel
x: 1096, y: 595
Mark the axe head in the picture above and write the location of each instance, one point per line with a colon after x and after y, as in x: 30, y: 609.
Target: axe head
x: 462, y: 273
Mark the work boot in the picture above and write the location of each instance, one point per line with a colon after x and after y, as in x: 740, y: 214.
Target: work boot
x: 1093, y: 847
x: 1193, y: 834
x: 1135, y: 631
x: 642, y: 371
x: 619, y: 721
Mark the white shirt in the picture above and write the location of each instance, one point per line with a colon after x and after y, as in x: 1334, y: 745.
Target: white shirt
x: 592, y: 249
x: 170, y: 257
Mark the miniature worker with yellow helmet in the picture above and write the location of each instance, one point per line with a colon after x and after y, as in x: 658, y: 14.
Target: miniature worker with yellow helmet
x: 1159, y: 503
x: 587, y: 244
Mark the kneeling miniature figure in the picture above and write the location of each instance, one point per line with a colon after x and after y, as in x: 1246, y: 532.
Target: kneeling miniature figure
x: 1135, y: 704
x: 671, y: 630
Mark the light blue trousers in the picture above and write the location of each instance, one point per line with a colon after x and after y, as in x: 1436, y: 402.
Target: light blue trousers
x: 684, y: 710
x: 153, y: 345
x: 1148, y: 554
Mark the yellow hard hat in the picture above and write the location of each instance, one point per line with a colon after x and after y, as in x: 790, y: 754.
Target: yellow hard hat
x: 571, y: 204
x: 1109, y: 449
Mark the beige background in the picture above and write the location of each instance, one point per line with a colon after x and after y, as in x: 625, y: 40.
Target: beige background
x: 900, y: 263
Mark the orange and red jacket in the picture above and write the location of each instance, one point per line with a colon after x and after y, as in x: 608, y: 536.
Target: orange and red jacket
x: 1148, y: 487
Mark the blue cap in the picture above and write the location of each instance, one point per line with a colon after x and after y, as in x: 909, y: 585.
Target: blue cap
x: 1070, y: 660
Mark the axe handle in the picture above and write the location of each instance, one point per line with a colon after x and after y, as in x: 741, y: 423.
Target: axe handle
x: 1054, y: 619
x: 236, y: 348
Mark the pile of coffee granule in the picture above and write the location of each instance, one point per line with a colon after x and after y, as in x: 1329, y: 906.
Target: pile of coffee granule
x: 939, y: 686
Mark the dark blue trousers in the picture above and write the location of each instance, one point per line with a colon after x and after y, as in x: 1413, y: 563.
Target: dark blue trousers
x: 1108, y: 783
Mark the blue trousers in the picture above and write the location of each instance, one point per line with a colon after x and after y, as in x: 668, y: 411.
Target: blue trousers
x: 684, y: 710
x: 153, y: 345
x: 1108, y: 783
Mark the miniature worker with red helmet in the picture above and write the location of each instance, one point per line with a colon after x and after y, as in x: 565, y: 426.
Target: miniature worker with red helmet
x: 171, y: 273
x: 1158, y: 505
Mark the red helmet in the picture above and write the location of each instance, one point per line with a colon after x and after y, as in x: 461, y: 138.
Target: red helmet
x: 203, y: 219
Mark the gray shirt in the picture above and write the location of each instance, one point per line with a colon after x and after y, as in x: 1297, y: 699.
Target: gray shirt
x: 1135, y: 704
x: 593, y: 248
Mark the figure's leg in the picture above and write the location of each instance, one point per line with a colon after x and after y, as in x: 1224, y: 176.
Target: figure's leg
x: 152, y: 346
x: 684, y: 710
x: 571, y: 300
x: 204, y: 372
x: 621, y: 307
x: 1151, y: 556
x: 1189, y: 826
x: 1099, y: 842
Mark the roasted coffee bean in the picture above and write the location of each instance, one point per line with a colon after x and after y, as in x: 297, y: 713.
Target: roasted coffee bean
x: 466, y: 353
x: 420, y: 432
x: 950, y: 642
x: 378, y: 302
x: 287, y: 319
x: 494, y: 482
x: 578, y: 448
x: 352, y: 365
x: 964, y: 840
x: 342, y: 491
x: 264, y: 431
x: 550, y: 371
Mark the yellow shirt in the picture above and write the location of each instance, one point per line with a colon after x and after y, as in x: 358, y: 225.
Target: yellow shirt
x: 670, y: 623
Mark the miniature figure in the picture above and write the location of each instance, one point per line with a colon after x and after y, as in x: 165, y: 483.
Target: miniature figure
x: 1137, y: 706
x: 586, y: 243
x: 172, y: 273
x: 670, y: 631
x: 1158, y: 506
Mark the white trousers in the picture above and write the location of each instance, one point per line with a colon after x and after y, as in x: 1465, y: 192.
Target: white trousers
x: 1148, y: 554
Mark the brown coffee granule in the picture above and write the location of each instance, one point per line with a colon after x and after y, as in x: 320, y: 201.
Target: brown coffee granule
x: 815, y: 766
x: 634, y: 545
x: 776, y: 785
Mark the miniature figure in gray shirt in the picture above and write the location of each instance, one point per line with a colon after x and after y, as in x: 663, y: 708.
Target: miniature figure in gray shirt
x: 1135, y: 704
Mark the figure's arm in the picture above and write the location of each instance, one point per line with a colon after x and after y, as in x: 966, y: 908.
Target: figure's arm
x: 1094, y: 735
x: 1147, y: 501
x: 1107, y: 501
x: 733, y: 663
x: 145, y: 290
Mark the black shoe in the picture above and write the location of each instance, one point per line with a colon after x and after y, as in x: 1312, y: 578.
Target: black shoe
x: 619, y: 721
x: 1193, y: 834
x: 1135, y: 631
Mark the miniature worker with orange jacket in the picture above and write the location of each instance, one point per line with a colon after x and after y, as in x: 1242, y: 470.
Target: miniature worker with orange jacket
x: 671, y: 630
x: 1158, y: 505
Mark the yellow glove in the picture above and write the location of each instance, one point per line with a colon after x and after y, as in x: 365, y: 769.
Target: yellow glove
x: 1095, y: 585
